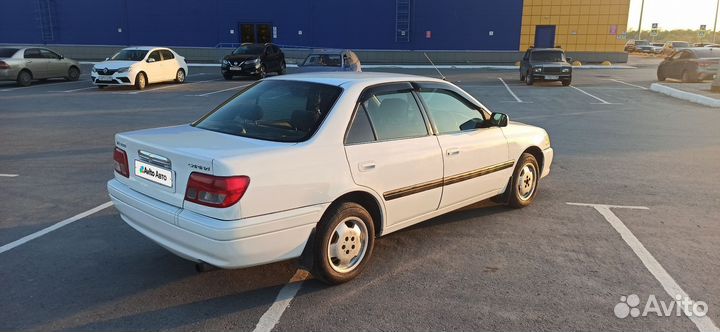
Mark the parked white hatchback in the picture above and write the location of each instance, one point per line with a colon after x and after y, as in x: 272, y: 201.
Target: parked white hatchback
x: 317, y: 165
x: 140, y: 66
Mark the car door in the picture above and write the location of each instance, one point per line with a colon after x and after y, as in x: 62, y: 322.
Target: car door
x: 169, y: 65
x: 36, y: 63
x: 390, y: 150
x: 154, y: 67
x: 675, y: 65
x: 475, y: 156
x: 55, y: 66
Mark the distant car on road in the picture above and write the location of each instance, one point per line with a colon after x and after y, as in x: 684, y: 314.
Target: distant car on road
x: 690, y: 65
x: 140, y: 66
x: 25, y: 64
x: 637, y: 46
x: 253, y: 60
x: 671, y: 47
x: 547, y: 64
x: 657, y: 48
x: 330, y: 60
x: 319, y: 165
x: 705, y: 45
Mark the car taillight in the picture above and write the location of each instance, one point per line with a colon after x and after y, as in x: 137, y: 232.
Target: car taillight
x: 121, y: 162
x: 216, y: 191
x: 4, y: 65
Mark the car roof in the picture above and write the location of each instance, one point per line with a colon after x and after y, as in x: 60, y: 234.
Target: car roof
x: 350, y: 79
x: 547, y: 49
x: 145, y: 48
x: 329, y: 51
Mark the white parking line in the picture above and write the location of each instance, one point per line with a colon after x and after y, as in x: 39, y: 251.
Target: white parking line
x: 56, y: 226
x: 672, y: 288
x: 272, y: 316
x: 602, y: 101
x: 511, y: 92
x: 73, y: 90
x: 629, y: 84
x: 8, y: 175
x: 214, y: 92
x: 168, y: 86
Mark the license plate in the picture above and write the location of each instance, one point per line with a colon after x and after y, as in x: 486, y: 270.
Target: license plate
x: 105, y: 77
x: 552, y: 77
x: 235, y: 68
x: 154, y: 173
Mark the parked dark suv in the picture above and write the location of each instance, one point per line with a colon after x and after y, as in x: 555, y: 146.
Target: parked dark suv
x: 253, y: 60
x: 547, y: 64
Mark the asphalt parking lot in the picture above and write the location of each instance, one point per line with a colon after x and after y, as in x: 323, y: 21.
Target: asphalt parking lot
x: 551, y: 266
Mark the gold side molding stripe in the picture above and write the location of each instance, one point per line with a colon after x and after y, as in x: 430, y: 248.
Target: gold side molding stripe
x: 417, y: 188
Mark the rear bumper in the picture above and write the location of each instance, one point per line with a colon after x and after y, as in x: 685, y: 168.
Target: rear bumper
x: 226, y: 244
x: 8, y: 74
x: 548, y: 155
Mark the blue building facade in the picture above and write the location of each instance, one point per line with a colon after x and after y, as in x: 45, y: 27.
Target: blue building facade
x: 486, y: 25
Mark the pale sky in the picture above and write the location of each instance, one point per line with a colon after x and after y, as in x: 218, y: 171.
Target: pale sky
x: 673, y: 14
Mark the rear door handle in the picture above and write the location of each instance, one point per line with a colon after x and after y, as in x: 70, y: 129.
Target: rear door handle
x: 366, y: 166
x: 452, y: 151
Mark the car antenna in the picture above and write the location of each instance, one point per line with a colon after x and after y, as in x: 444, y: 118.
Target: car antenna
x: 442, y: 77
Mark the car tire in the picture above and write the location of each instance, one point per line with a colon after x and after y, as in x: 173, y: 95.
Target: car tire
x: 688, y: 77
x: 660, y: 76
x: 524, y: 183
x: 345, y: 238
x: 228, y: 77
x: 522, y: 77
x: 140, y: 81
x: 566, y: 82
x: 262, y: 72
x: 180, y: 76
x: 529, y: 79
x: 73, y: 74
x: 24, y: 78
x: 283, y: 66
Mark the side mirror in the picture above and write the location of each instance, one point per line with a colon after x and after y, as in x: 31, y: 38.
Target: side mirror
x: 499, y: 119
x: 106, y: 59
x: 151, y: 60
x: 60, y: 57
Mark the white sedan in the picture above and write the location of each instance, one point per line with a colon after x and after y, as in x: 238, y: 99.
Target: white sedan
x: 318, y: 165
x: 140, y: 66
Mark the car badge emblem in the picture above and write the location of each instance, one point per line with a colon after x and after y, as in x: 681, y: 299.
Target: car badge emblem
x: 105, y: 71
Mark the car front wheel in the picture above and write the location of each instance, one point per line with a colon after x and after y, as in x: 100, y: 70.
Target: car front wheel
x: 529, y: 79
x: 73, y: 74
x: 262, y: 72
x: 140, y: 81
x: 344, y: 243
x: 524, y: 181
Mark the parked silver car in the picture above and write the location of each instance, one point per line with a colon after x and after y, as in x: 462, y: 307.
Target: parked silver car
x: 25, y: 64
x: 330, y: 60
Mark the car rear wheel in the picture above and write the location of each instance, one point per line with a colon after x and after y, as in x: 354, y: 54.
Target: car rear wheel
x: 524, y: 181
x: 344, y: 243
x: 566, y: 82
x: 24, y: 78
x: 661, y: 76
x: 180, y: 76
x: 529, y: 79
x: 689, y: 77
x: 73, y: 74
x: 140, y: 81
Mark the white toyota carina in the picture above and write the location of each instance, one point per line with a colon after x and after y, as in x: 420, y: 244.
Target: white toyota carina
x: 318, y: 165
x: 140, y: 66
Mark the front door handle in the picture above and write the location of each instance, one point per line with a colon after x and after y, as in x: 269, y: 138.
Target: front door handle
x: 452, y: 151
x: 366, y: 166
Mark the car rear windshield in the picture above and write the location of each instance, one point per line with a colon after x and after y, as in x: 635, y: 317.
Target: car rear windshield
x: 680, y: 44
x: 129, y: 55
x: 330, y: 60
x: 274, y: 110
x: 249, y: 49
x: 548, y: 56
x: 7, y: 52
x: 707, y: 53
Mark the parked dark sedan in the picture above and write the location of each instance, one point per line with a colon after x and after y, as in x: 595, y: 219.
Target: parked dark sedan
x: 253, y: 60
x: 690, y: 64
x: 547, y: 64
x: 330, y: 60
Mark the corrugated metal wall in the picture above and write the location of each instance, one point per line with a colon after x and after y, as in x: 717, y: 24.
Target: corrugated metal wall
x: 366, y: 24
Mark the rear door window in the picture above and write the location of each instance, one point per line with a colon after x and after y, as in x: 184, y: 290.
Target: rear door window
x: 395, y: 115
x: 32, y: 53
x: 167, y: 55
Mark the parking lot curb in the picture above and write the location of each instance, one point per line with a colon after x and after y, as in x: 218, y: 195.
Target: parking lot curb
x: 684, y: 95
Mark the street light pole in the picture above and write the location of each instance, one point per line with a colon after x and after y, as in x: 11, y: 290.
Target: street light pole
x: 717, y: 8
x: 642, y: 8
